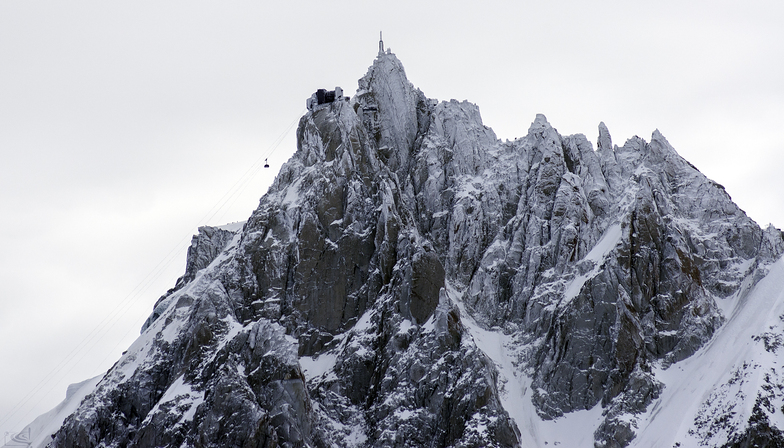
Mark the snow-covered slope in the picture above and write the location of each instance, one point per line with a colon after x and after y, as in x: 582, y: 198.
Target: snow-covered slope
x: 39, y: 433
x: 732, y: 388
x: 411, y: 280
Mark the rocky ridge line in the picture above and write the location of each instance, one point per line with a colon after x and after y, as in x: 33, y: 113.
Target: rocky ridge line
x: 333, y: 318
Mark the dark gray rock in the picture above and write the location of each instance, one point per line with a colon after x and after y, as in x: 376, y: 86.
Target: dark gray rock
x: 334, y: 317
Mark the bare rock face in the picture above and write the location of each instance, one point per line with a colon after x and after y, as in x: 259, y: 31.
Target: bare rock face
x: 410, y: 280
x: 205, y: 247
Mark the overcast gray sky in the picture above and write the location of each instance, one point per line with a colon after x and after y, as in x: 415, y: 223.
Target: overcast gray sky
x: 123, y: 124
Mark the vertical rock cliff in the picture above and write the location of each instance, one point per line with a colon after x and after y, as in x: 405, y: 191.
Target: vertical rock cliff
x: 411, y: 280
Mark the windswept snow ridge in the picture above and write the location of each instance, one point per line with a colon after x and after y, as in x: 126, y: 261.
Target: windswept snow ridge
x: 39, y: 433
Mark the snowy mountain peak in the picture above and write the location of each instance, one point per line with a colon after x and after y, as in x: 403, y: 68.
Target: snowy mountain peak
x: 411, y: 280
x: 392, y: 111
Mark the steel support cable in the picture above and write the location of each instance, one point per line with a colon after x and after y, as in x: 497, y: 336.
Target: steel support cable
x: 251, y: 172
x: 92, y: 337
x: 85, y: 343
x: 89, y: 341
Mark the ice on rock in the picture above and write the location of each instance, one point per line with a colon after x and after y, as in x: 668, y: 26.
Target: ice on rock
x: 411, y: 280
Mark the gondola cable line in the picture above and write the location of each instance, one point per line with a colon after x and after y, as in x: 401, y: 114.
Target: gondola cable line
x: 91, y: 339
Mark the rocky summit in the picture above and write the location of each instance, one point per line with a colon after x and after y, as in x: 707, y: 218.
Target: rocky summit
x: 409, y: 280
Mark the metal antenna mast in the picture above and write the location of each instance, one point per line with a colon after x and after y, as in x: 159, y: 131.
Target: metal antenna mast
x: 380, y: 44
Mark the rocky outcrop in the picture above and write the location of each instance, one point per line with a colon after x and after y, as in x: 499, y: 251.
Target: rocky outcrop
x: 410, y: 280
x: 204, y: 249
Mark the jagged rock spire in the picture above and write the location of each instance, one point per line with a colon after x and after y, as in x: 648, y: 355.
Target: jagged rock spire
x: 410, y: 280
x: 389, y: 104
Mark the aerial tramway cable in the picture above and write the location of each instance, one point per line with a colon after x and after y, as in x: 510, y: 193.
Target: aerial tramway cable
x: 82, y: 348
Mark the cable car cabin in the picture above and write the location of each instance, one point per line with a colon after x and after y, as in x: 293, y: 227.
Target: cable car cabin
x: 324, y: 96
